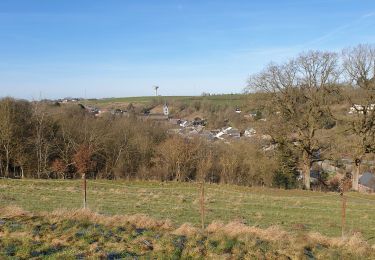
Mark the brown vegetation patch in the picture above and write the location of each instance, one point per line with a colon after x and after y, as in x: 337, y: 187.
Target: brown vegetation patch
x: 354, y: 243
x: 237, y: 228
x: 13, y: 211
x: 299, y: 226
x: 138, y: 220
x: 186, y: 229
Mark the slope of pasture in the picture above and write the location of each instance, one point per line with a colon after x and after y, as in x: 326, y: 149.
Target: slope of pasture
x: 225, y: 99
x: 294, y: 210
x: 83, y: 234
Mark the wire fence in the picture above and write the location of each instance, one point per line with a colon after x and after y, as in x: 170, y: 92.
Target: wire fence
x: 167, y: 200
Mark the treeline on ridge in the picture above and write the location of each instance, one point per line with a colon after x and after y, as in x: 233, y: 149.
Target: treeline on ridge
x: 41, y: 140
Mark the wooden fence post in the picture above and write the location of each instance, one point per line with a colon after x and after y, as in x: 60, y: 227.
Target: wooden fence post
x: 84, y: 191
x: 202, y: 206
x: 343, y: 215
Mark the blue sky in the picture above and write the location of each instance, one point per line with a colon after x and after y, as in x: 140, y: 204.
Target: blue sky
x: 124, y: 47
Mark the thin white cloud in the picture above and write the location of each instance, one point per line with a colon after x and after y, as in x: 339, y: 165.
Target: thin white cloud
x: 368, y: 15
x: 280, y: 53
x: 340, y: 29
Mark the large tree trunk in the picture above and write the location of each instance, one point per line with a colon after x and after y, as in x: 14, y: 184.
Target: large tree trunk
x: 355, y: 174
x: 306, y: 170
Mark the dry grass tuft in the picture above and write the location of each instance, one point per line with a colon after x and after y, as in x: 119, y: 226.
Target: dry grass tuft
x: 215, y: 226
x: 13, y: 211
x: 141, y: 220
x: 237, y: 228
x: 258, y: 215
x: 58, y: 242
x: 186, y: 229
x: 316, y: 237
x: 275, y: 233
x: 354, y: 243
x: 18, y: 235
x: 299, y: 226
x: 138, y: 220
x: 182, y: 199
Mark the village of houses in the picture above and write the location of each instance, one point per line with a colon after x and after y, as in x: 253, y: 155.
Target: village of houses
x: 188, y: 127
x: 196, y: 127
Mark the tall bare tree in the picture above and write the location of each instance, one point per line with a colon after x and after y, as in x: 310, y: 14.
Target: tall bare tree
x: 45, y: 132
x: 6, y: 132
x: 15, y: 135
x: 359, y: 67
x: 300, y: 105
x: 178, y: 156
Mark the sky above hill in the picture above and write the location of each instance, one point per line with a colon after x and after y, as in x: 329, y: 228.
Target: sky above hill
x: 122, y: 48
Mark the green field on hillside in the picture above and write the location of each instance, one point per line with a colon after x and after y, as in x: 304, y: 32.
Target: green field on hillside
x: 226, y: 99
x: 294, y: 210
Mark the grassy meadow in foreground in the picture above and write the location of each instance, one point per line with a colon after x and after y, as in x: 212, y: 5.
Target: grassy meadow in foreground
x: 83, y: 234
x: 294, y: 210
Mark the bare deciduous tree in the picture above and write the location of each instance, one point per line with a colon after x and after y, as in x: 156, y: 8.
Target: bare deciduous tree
x: 45, y: 131
x: 300, y: 90
x: 359, y: 67
x: 6, y: 132
x: 179, y: 157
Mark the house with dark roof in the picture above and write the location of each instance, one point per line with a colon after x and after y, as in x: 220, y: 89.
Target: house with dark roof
x: 367, y: 182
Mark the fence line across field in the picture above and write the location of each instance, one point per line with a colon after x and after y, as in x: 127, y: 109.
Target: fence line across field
x: 359, y: 198
x: 209, y: 206
x: 251, y: 196
x: 242, y: 193
x: 226, y: 213
x: 207, y: 200
x: 191, y: 197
